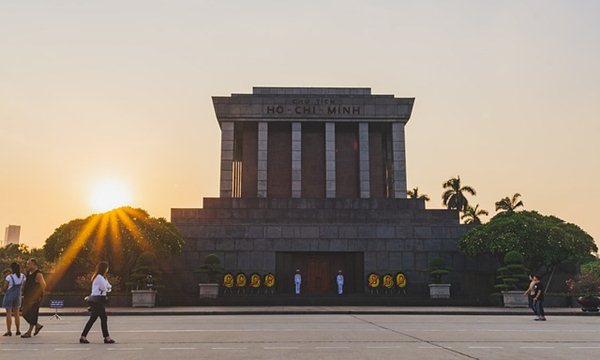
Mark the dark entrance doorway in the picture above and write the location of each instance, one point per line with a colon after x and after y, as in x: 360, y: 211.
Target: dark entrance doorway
x: 317, y: 274
x: 319, y: 270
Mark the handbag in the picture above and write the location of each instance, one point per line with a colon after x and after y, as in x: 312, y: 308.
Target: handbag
x: 95, y: 299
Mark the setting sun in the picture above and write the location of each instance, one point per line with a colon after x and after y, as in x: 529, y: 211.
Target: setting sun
x: 109, y: 194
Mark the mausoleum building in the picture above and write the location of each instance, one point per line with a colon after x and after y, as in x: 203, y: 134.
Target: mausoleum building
x: 315, y: 179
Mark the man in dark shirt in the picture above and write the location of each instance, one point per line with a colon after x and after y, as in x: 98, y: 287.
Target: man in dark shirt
x: 33, y: 292
x: 538, y: 299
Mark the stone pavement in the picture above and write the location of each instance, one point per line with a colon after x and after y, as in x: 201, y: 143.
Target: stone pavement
x: 298, y: 310
x: 318, y: 336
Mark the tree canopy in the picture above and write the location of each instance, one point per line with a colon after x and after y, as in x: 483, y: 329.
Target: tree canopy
x: 212, y: 267
x: 414, y: 194
x: 20, y: 254
x: 454, y: 198
x: 513, y: 274
x: 118, y: 236
x: 544, y: 241
x: 509, y: 204
x: 472, y: 215
x: 437, y: 270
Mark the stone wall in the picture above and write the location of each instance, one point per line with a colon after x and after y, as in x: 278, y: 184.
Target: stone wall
x: 394, y: 235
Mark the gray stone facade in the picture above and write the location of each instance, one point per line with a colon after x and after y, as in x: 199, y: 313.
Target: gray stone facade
x: 312, y: 104
x: 330, y: 160
x: 392, y: 234
x: 329, y: 106
x: 261, y: 183
x: 296, y: 159
x: 226, y: 159
x: 363, y: 160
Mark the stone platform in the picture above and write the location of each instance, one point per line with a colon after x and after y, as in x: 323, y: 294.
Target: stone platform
x: 387, y: 235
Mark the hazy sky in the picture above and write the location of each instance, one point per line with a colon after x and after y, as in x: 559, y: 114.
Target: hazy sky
x: 507, y: 95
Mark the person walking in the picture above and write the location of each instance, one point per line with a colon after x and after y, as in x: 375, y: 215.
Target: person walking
x: 530, y: 292
x: 33, y: 293
x: 339, y: 279
x: 97, y: 300
x: 538, y: 299
x: 12, y: 287
x: 297, y: 281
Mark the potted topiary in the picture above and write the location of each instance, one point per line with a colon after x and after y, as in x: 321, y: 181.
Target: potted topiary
x: 437, y: 270
x: 211, y: 268
x: 144, y: 280
x: 513, y: 280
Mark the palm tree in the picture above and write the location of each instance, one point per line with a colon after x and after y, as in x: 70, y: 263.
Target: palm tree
x: 471, y: 215
x: 509, y: 205
x: 454, y: 196
x: 414, y: 194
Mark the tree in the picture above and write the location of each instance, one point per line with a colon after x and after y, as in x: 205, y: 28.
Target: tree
x: 587, y: 282
x: 414, y: 194
x: 20, y: 253
x: 118, y: 236
x: 437, y: 269
x: 545, y: 241
x: 454, y: 197
x: 592, y: 266
x: 472, y: 215
x: 212, y: 268
x: 513, y: 274
x: 509, y: 204
x: 145, y: 273
x: 84, y: 282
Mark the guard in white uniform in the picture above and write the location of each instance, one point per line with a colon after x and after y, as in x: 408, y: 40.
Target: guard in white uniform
x: 340, y: 282
x: 297, y: 281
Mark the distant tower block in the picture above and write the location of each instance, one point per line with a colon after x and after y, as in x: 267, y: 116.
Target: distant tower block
x: 12, y: 234
x: 312, y: 143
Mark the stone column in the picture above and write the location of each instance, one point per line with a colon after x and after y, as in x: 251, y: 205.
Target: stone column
x: 296, y: 159
x: 399, y: 158
x: 363, y: 160
x: 330, y: 160
x: 261, y: 175
x: 226, y: 182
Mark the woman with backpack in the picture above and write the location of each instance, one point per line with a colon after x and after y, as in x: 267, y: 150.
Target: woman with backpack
x: 12, y: 298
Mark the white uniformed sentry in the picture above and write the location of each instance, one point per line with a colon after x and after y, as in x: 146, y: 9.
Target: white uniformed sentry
x: 100, y: 286
x: 340, y: 283
x: 297, y: 282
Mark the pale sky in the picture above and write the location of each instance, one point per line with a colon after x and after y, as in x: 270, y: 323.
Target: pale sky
x: 507, y: 95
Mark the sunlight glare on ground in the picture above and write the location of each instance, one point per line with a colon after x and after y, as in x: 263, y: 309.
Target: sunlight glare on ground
x: 109, y: 194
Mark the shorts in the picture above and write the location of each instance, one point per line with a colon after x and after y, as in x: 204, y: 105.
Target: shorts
x: 12, y: 299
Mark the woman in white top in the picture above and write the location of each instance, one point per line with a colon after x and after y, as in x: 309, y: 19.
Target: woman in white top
x: 12, y: 298
x: 97, y: 300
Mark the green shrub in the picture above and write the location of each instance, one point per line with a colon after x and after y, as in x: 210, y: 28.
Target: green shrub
x: 513, y: 275
x: 591, y: 267
x: 437, y: 270
x: 513, y: 257
x: 212, y: 268
x: 145, y: 273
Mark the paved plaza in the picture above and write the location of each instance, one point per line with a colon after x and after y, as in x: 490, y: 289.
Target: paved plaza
x: 318, y: 336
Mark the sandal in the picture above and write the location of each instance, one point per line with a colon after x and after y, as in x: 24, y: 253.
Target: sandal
x: 37, y: 330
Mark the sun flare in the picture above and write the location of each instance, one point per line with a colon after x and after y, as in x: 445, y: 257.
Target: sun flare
x: 108, y: 195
